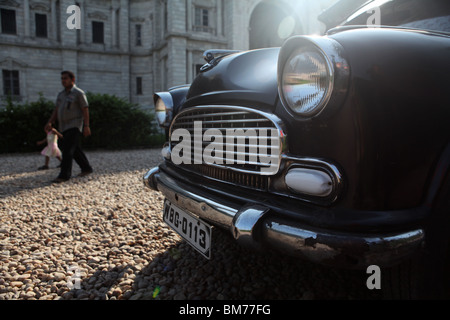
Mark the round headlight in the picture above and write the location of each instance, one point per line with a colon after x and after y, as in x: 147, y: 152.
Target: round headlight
x: 163, y: 108
x: 307, y: 81
x: 161, y: 112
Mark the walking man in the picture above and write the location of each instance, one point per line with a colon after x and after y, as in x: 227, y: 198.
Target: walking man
x: 72, y: 113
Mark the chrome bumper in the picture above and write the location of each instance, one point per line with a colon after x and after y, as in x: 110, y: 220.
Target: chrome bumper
x: 259, y: 226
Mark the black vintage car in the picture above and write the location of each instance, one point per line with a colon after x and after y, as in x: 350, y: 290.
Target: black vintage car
x: 332, y: 148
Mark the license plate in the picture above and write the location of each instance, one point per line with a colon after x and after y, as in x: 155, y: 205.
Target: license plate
x: 196, y: 232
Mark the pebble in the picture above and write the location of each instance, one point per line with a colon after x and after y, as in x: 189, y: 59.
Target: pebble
x: 16, y: 284
x: 101, y: 237
x: 58, y: 276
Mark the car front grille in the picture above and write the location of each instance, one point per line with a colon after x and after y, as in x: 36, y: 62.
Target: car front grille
x: 251, y: 181
x: 250, y: 143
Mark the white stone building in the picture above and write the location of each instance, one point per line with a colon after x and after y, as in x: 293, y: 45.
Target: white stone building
x: 132, y: 48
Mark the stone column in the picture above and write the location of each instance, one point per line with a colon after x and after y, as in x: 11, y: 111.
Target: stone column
x: 26, y: 17
x: 188, y: 16
x: 219, y: 17
x: 189, y: 64
x: 54, y: 20
x: 177, y: 57
x: 82, y: 32
x: 124, y: 34
x: 125, y: 69
x: 113, y: 27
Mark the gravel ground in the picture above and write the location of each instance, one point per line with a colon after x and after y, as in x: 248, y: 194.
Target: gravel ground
x: 101, y: 237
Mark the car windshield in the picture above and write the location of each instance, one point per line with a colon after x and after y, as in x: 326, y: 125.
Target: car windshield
x: 433, y: 15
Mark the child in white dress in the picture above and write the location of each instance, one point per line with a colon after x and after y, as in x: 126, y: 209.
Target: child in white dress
x: 51, y: 150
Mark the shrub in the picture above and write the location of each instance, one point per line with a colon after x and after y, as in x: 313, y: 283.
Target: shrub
x: 115, y: 124
x: 21, y: 125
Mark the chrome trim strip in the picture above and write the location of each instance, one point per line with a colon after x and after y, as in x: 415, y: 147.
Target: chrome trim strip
x: 210, y: 115
x: 149, y: 179
x: 228, y: 121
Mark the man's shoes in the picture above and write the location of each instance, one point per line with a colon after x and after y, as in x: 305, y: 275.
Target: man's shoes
x: 85, y: 173
x: 59, y: 180
x: 43, y: 168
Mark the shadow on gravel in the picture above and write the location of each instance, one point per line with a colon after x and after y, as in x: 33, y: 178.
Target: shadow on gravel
x: 125, y: 282
x: 12, y: 184
x: 99, y: 284
x: 114, y: 160
x: 233, y: 273
x: 22, y: 174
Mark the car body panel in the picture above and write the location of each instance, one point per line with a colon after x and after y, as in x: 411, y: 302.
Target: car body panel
x: 385, y: 144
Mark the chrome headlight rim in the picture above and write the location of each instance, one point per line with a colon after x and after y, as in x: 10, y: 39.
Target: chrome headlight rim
x: 337, y: 68
x: 165, y: 115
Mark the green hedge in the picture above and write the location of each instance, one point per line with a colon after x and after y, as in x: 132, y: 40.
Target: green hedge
x: 115, y: 124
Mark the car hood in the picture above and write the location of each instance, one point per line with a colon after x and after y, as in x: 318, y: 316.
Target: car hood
x: 247, y: 76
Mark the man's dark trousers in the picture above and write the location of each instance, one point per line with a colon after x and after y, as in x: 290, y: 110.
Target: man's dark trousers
x: 71, y: 150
